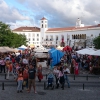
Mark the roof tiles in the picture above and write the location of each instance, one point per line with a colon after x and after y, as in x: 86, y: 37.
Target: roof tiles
x: 27, y: 29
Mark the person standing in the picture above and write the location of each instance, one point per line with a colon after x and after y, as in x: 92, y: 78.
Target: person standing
x: 39, y: 73
x: 61, y: 77
x: 2, y: 65
x: 20, y: 80
x: 25, y: 76
x: 48, y: 61
x: 31, y: 78
x: 66, y: 72
x: 72, y: 65
x: 56, y: 73
x: 9, y: 66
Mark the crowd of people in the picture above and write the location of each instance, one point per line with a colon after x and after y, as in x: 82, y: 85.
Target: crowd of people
x: 25, y: 70
x: 22, y: 67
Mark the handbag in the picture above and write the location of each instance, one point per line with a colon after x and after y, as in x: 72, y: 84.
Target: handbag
x: 24, y: 83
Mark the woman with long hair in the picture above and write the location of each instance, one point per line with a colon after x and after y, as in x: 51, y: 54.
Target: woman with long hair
x: 20, y: 80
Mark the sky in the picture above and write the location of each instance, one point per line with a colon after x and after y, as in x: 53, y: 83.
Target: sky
x: 59, y: 13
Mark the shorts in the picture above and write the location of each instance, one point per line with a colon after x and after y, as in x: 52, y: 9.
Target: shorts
x: 31, y: 82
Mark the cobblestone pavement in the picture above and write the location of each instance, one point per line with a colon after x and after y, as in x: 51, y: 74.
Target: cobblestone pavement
x: 75, y: 93
x: 91, y: 90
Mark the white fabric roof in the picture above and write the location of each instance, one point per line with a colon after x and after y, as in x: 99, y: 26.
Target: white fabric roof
x: 89, y: 51
x: 85, y: 51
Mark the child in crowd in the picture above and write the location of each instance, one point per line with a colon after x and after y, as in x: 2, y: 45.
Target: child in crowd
x: 39, y: 73
x: 50, y: 78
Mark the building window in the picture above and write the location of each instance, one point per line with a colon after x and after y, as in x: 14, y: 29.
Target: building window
x: 80, y: 36
x: 62, y: 38
x: 29, y: 39
x: 85, y: 36
x: 50, y: 42
x: 51, y: 38
x: 45, y: 26
x: 46, y: 37
x: 72, y: 37
x: 76, y: 36
x: 37, y: 39
x: 33, y: 39
x: 37, y: 35
x: 29, y: 35
x: 91, y: 35
x: 33, y: 35
x: 42, y: 25
x: 56, y: 37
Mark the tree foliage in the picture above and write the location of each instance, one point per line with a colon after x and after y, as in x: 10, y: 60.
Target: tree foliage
x: 8, y: 38
x: 96, y: 42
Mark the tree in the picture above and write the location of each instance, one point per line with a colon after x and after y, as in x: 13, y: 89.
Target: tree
x: 96, y: 42
x: 8, y: 38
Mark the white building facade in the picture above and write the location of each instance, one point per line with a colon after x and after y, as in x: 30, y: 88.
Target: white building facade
x: 79, y: 35
x: 32, y: 35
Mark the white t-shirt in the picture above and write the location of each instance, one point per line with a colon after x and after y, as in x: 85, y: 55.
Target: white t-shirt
x: 25, y: 61
x: 56, y: 72
x: 67, y: 70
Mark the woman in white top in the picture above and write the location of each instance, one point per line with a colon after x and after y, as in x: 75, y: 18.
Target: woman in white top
x: 66, y: 72
x: 56, y: 73
x: 61, y: 77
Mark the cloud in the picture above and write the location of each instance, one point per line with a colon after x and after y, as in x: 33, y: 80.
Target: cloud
x: 10, y: 15
x: 65, y: 12
x: 60, y: 13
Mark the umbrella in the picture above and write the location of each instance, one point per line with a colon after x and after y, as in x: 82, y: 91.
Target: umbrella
x: 22, y: 47
x: 59, y: 48
x: 31, y: 45
x: 67, y: 48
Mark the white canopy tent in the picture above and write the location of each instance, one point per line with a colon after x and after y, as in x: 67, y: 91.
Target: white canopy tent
x: 23, y: 47
x: 6, y: 49
x: 95, y: 53
x: 89, y: 51
x: 85, y: 51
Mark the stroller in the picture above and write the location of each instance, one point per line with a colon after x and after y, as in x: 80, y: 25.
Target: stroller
x: 50, y: 80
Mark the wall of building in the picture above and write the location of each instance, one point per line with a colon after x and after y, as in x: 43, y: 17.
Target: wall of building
x: 90, y: 33
x: 32, y: 37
